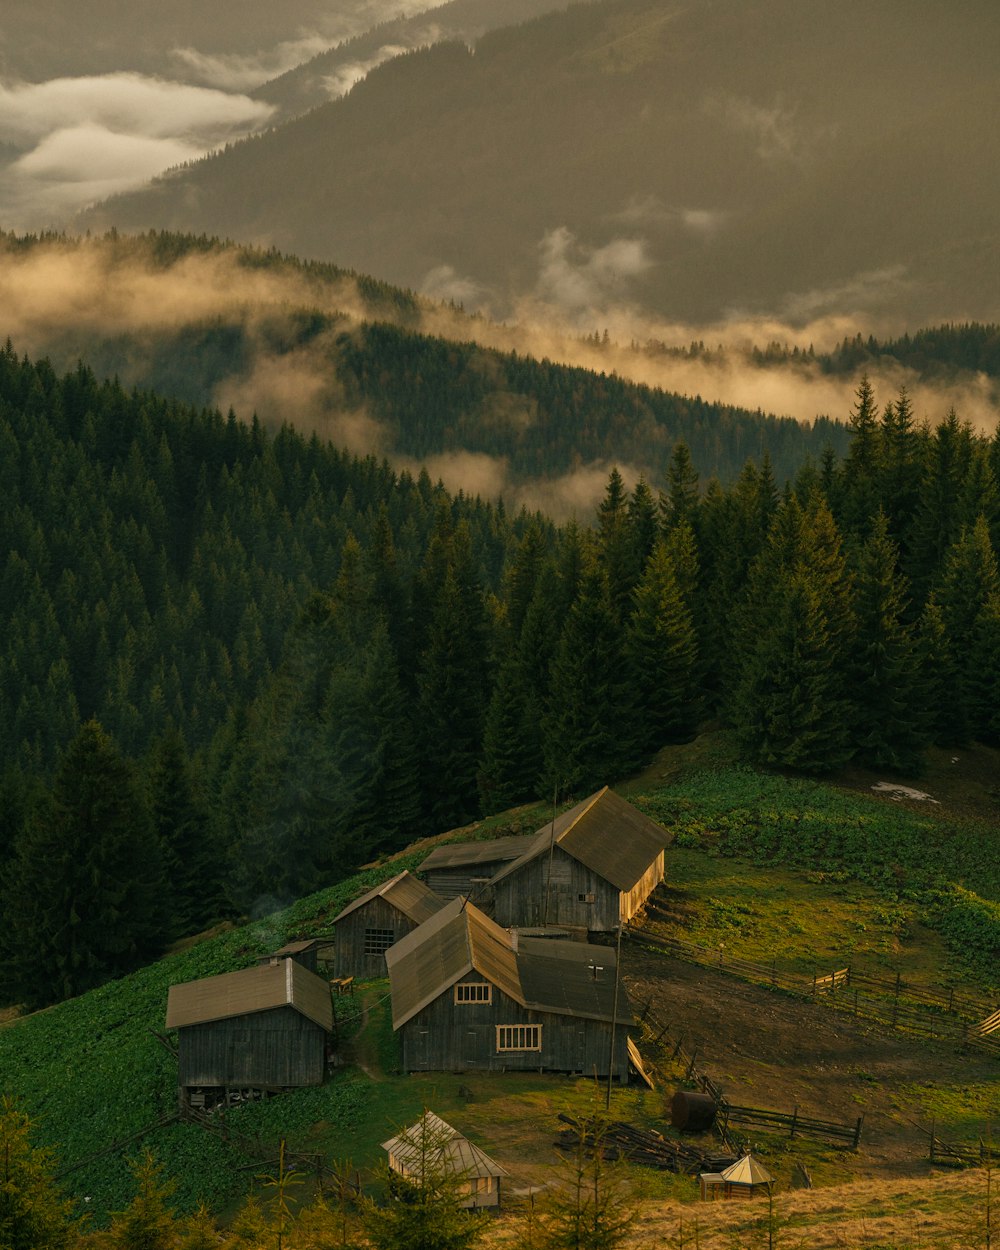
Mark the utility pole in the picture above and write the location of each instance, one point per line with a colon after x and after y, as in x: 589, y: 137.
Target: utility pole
x: 614, y: 1013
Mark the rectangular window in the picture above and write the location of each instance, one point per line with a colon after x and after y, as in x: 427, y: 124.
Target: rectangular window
x: 474, y: 992
x: 519, y: 1037
x: 587, y: 898
x: 378, y: 941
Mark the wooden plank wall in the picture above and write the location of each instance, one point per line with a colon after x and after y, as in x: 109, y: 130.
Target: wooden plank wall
x: 520, y: 898
x: 265, y: 1048
x: 450, y: 1037
x: 350, y: 959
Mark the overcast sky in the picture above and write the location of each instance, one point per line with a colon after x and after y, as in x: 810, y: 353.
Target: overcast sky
x: 72, y: 138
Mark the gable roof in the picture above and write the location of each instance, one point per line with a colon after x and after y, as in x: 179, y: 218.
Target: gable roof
x: 485, y: 851
x: 433, y: 1140
x: 551, y: 976
x: 604, y: 833
x: 261, y: 988
x: 455, y: 941
x: 407, y: 893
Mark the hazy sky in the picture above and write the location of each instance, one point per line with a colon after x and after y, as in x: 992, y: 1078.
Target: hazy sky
x: 69, y: 138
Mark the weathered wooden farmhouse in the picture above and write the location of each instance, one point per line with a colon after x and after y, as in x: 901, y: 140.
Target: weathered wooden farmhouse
x: 432, y: 1152
x: 465, y: 867
x: 366, y: 928
x: 592, y: 868
x: 259, y: 1029
x: 463, y: 998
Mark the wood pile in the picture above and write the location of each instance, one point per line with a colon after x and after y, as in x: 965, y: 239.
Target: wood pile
x: 617, y: 1140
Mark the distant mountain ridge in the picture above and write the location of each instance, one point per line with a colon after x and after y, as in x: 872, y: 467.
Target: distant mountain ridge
x: 691, y: 163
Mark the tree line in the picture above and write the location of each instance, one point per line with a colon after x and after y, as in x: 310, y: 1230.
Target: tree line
x: 238, y: 664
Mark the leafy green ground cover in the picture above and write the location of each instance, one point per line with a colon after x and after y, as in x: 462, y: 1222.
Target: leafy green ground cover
x: 947, y: 865
x: 776, y: 864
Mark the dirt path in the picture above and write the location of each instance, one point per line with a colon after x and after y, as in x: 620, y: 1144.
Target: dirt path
x: 360, y: 1048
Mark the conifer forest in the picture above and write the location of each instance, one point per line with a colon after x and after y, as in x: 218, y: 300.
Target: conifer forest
x: 239, y: 663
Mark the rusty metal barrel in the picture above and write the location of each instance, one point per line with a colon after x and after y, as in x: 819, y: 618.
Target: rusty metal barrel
x: 692, y: 1111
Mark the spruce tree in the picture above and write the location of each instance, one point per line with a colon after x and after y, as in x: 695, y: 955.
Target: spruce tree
x: 33, y: 1214
x: 81, y: 898
x: 590, y: 723
x: 884, y: 691
x: 663, y: 651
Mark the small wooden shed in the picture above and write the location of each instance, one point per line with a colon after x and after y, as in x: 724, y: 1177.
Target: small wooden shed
x: 467, y: 867
x: 366, y: 928
x: 257, y: 1030
x: 463, y: 999
x: 432, y: 1150
x: 306, y: 951
x: 593, y: 867
x: 743, y: 1179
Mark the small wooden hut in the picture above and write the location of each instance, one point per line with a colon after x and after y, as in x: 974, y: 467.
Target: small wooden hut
x: 306, y: 951
x: 464, y: 999
x: 254, y: 1031
x: 593, y: 867
x: 742, y: 1179
x: 431, y: 1150
x: 366, y: 928
x: 467, y: 867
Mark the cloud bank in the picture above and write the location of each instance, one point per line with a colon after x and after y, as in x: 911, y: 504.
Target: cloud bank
x: 80, y: 139
x: 58, y: 298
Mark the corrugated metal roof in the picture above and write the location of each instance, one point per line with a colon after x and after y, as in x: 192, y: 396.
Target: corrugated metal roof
x: 261, y: 988
x: 485, y: 851
x: 553, y: 976
x: 433, y: 1141
x: 604, y: 833
x: 406, y: 893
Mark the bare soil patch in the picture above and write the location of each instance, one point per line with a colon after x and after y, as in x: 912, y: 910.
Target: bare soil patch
x: 770, y: 1049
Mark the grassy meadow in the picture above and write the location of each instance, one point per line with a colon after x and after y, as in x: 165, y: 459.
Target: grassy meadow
x: 770, y: 867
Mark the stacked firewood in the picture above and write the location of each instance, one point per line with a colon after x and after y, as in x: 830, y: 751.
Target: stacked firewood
x: 617, y: 1140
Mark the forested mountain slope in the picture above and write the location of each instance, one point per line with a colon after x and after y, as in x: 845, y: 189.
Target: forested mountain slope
x: 236, y: 664
x: 685, y: 161
x: 367, y: 365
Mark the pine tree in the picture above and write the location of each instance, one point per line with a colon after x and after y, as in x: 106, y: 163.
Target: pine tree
x: 148, y: 1223
x: 663, y: 651
x: 884, y: 690
x: 589, y: 726
x: 82, y: 890
x: 33, y: 1214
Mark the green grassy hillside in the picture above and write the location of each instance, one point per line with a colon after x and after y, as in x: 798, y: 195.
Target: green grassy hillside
x: 771, y: 865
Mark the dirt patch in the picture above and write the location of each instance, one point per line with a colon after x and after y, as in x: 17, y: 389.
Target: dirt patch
x: 770, y: 1049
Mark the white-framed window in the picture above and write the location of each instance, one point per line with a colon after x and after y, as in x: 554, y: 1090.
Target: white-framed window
x: 474, y: 992
x: 519, y: 1037
x: 378, y: 941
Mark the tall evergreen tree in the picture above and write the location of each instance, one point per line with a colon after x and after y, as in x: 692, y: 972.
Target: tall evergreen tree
x: 663, y: 652
x: 590, y: 727
x: 81, y: 900
x: 888, y: 730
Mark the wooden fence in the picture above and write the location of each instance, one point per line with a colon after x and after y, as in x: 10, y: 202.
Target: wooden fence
x: 728, y: 1114
x: 925, y: 1011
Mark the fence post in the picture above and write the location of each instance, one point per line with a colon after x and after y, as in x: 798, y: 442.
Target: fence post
x: 857, y: 1131
x: 795, y: 1117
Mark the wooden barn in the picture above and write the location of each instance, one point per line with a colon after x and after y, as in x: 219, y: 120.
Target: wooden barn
x: 366, y: 928
x: 463, y: 999
x: 465, y: 867
x: 260, y: 1029
x: 432, y: 1151
x: 591, y: 868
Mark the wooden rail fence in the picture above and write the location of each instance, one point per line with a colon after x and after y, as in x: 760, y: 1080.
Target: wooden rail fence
x: 935, y: 1013
x: 729, y: 1114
